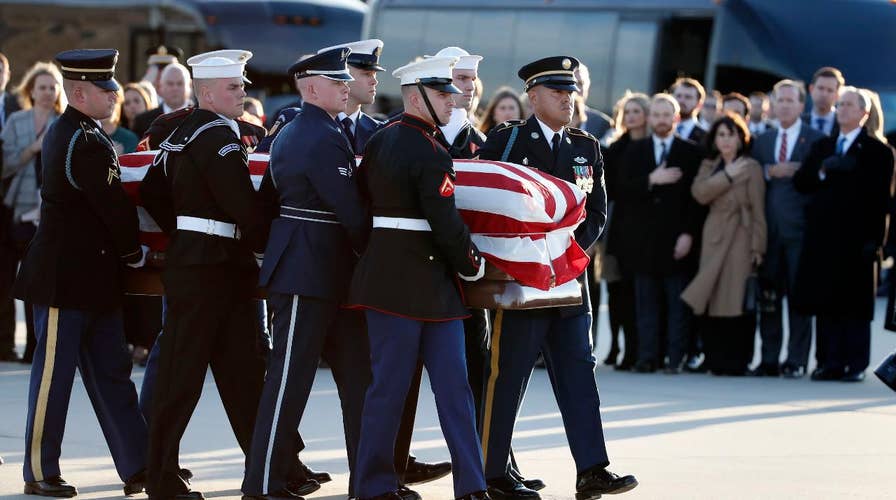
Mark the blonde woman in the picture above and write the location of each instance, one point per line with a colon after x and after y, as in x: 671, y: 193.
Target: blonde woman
x: 41, y: 98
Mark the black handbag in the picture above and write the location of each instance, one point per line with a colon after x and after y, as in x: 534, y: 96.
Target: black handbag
x: 886, y: 372
x: 751, y: 293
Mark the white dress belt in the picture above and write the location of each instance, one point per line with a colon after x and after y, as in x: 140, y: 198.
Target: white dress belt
x: 208, y: 226
x: 404, y: 223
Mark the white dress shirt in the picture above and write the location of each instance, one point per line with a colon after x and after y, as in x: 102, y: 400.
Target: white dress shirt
x: 685, y: 128
x: 658, y: 147
x: 548, y: 133
x: 850, y: 138
x: 353, y: 117
x: 793, y: 133
x: 828, y: 121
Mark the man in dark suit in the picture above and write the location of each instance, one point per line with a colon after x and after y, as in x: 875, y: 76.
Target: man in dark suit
x: 8, y: 105
x: 690, y: 96
x: 597, y: 122
x: 759, y: 121
x: 780, y: 152
x: 824, y: 89
x: 175, y: 88
x: 562, y: 334
x: 655, y: 196
x: 848, y: 178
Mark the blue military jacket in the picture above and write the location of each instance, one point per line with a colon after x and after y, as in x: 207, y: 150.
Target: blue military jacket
x: 319, y: 222
x: 364, y: 130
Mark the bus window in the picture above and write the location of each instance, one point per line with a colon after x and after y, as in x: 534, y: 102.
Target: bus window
x: 489, y: 35
x: 633, y: 58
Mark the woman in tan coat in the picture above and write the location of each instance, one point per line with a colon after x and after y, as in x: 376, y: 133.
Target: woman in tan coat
x: 734, y: 235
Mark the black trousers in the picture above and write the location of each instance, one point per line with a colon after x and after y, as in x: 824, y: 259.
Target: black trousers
x: 728, y: 343
x: 621, y: 305
x: 845, y: 343
x: 210, y: 322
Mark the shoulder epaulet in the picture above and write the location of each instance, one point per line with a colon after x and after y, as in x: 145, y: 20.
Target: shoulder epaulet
x: 581, y: 133
x: 509, y: 124
x: 178, y: 115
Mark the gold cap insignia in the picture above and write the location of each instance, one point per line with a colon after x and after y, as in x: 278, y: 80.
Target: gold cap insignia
x: 566, y: 64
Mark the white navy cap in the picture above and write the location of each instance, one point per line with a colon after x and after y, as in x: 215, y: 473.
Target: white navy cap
x: 365, y: 54
x: 433, y: 72
x: 220, y: 64
x: 465, y: 59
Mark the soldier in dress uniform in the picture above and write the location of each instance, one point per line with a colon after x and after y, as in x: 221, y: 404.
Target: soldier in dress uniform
x: 363, y: 65
x: 461, y: 137
x: 321, y: 225
x: 406, y: 283
x: 72, y: 274
x: 211, y: 273
x: 562, y: 334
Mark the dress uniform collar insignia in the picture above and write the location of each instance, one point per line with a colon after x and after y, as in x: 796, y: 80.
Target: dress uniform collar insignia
x: 568, y: 140
x: 526, y: 161
x: 580, y: 159
x: 534, y: 135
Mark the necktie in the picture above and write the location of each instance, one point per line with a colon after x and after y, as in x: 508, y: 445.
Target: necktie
x: 820, y: 123
x: 840, y: 143
x: 782, y: 153
x: 347, y: 126
x: 555, y: 146
x: 662, y: 153
x: 679, y: 129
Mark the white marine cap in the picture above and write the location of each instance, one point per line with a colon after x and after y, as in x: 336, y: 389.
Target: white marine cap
x: 220, y: 64
x: 466, y: 60
x: 433, y: 72
x: 365, y: 54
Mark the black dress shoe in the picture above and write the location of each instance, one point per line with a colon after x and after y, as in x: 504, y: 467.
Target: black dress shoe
x: 611, y: 358
x: 599, y: 481
x: 10, y: 356
x: 422, y: 472
x: 826, y: 374
x: 135, y: 484
x: 644, y: 367
x: 509, y: 488
x: 793, y: 371
x: 533, y: 484
x: 305, y: 486
x: 51, y: 487
x: 190, y: 495
x: 400, y: 494
x: 766, y: 370
x: 320, y: 477
x: 625, y: 366
x: 479, y: 495
x: 853, y: 377
x: 284, y: 493
x: 696, y: 363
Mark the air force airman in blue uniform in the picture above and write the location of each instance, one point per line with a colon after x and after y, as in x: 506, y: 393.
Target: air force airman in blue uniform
x: 364, y: 65
x: 72, y: 274
x: 406, y: 281
x: 319, y: 227
x: 546, y: 143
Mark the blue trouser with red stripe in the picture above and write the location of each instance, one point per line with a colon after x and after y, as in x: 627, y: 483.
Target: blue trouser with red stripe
x: 94, y: 344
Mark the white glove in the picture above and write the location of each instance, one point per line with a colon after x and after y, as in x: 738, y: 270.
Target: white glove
x: 259, y: 258
x: 142, y: 262
x: 479, y: 274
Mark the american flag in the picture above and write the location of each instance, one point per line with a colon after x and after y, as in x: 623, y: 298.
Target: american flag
x: 521, y: 219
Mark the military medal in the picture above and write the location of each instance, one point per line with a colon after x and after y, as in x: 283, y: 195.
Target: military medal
x: 583, y: 177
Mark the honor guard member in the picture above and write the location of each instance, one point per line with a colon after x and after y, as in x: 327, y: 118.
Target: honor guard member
x: 363, y: 64
x: 211, y: 273
x: 562, y: 334
x: 406, y: 281
x: 320, y: 228
x: 72, y: 274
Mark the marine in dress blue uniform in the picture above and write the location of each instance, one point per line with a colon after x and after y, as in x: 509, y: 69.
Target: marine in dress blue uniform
x: 72, y: 274
x: 319, y: 228
x: 211, y: 273
x: 406, y: 281
x: 562, y: 334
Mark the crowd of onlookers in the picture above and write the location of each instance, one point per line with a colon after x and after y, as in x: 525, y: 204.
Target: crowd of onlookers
x: 720, y: 206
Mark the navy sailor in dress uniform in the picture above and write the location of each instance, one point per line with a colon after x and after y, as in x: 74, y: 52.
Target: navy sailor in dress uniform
x: 562, y: 334
x: 407, y: 283
x: 71, y: 273
x: 320, y: 227
x: 211, y: 272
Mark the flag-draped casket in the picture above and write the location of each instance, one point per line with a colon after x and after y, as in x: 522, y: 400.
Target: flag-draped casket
x: 522, y: 221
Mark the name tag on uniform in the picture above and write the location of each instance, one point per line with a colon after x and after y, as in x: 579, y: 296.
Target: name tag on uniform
x: 583, y: 177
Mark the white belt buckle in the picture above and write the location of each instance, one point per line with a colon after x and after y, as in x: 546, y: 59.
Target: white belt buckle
x: 209, y: 227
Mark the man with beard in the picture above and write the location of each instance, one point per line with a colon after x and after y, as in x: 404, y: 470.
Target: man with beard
x: 562, y: 334
x: 690, y: 96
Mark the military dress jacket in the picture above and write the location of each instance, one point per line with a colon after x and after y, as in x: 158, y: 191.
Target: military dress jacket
x: 407, y: 173
x: 365, y: 127
x: 88, y: 225
x: 579, y: 161
x: 466, y: 144
x: 320, y: 224
x: 207, y: 167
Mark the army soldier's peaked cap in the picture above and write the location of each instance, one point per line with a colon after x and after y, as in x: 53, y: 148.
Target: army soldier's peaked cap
x: 164, y: 55
x: 328, y: 64
x: 96, y: 66
x: 432, y: 72
x: 226, y: 63
x: 465, y: 59
x: 365, y: 54
x: 552, y: 72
